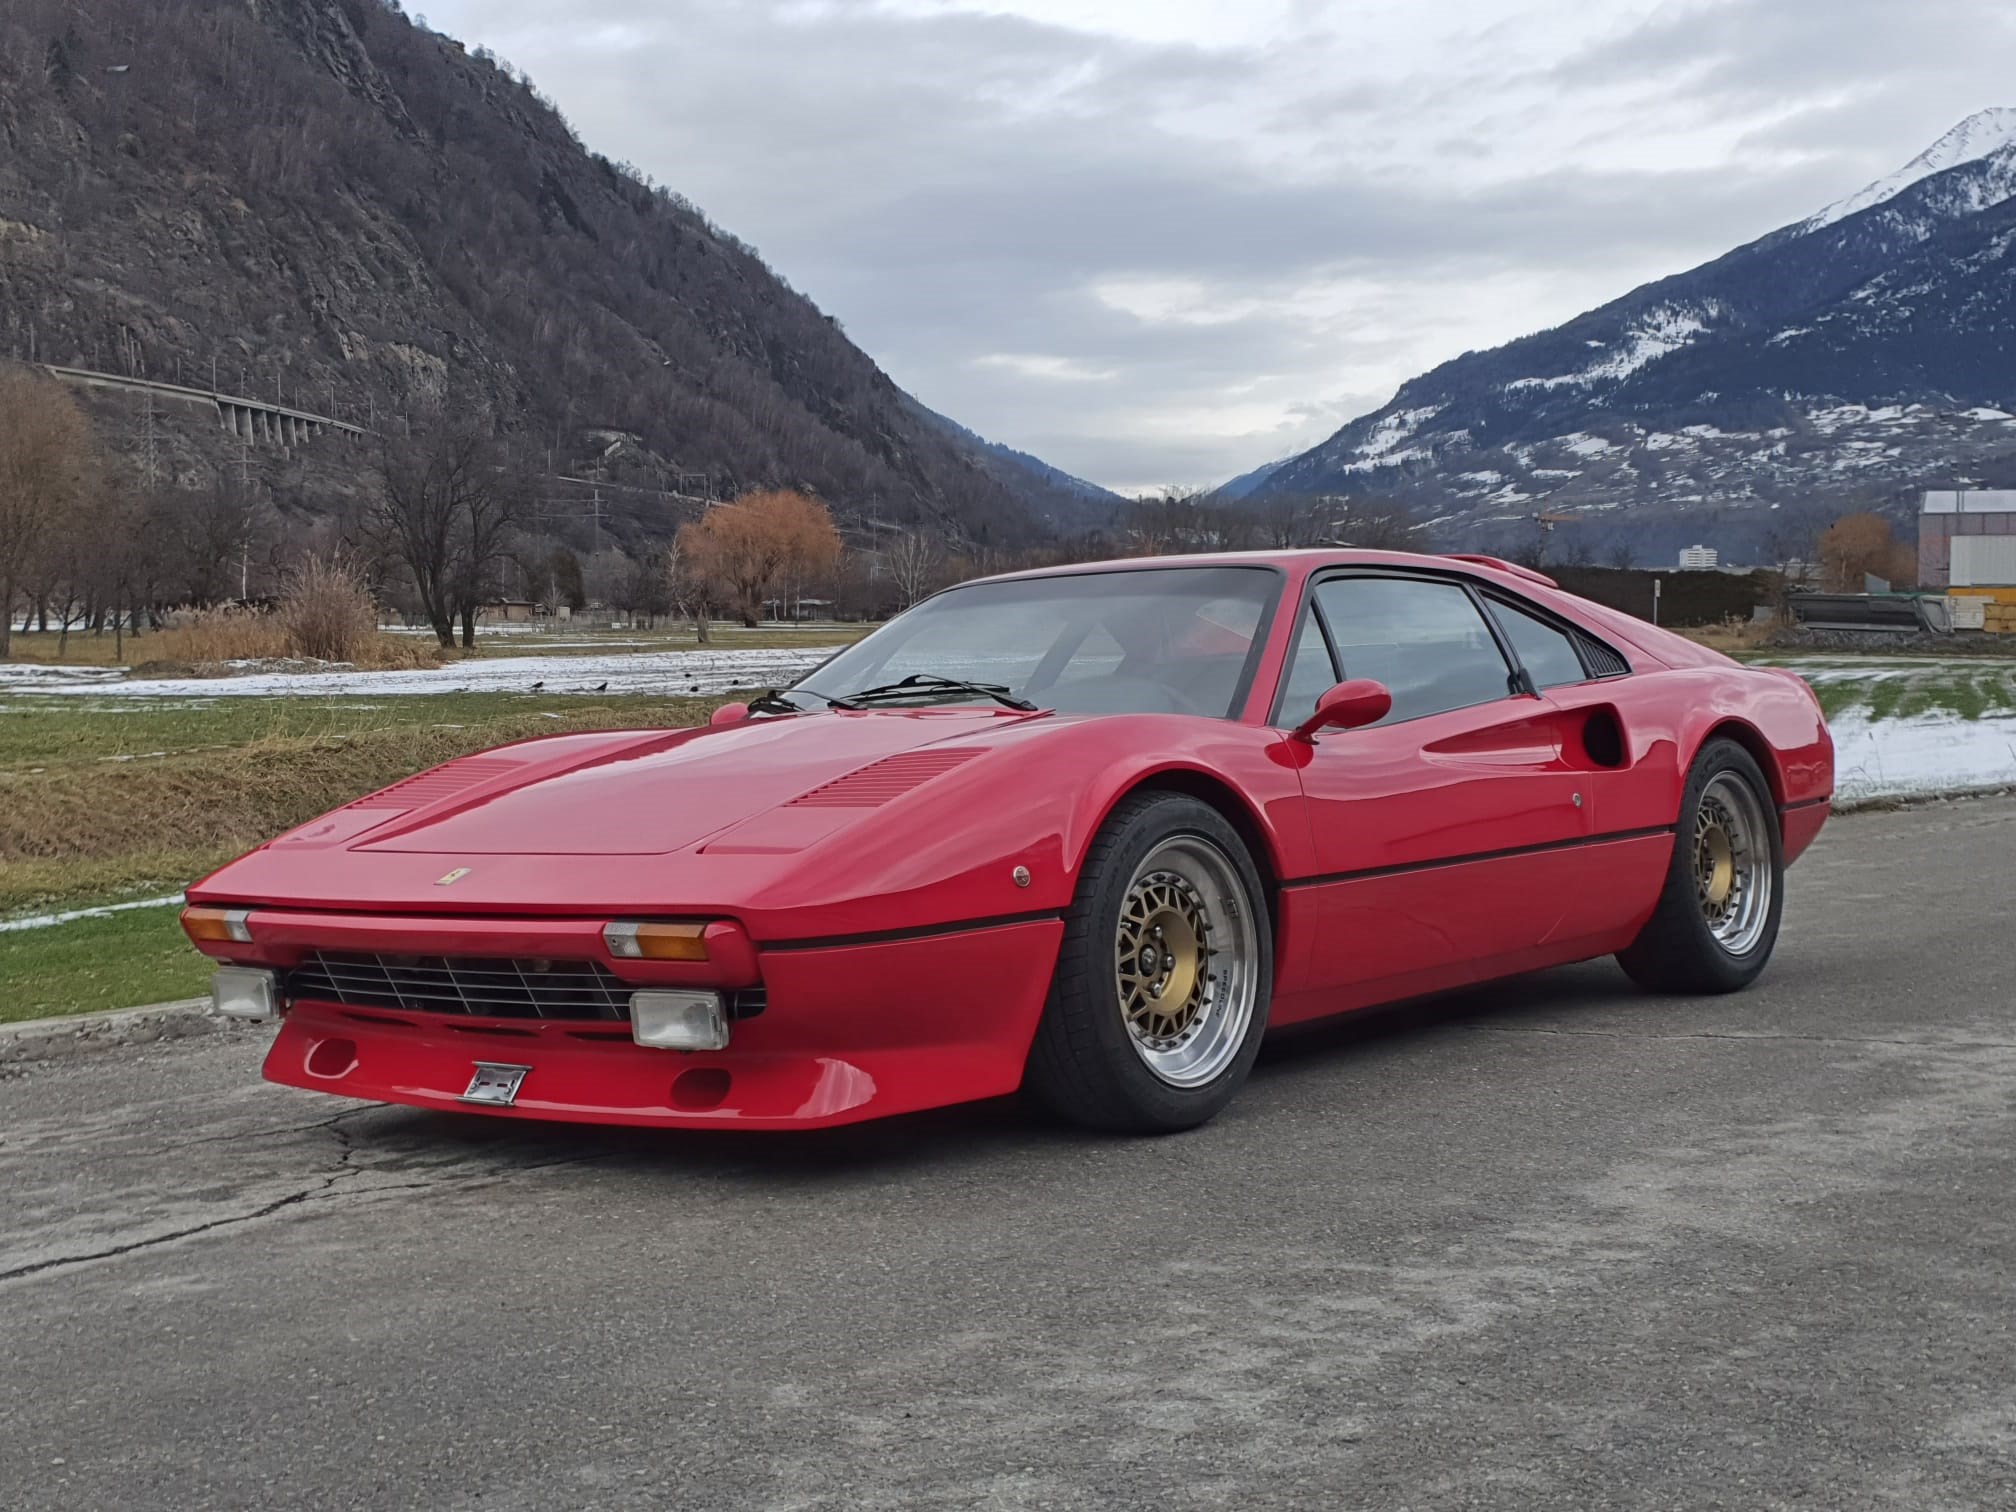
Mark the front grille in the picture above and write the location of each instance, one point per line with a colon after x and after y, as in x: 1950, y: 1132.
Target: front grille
x: 487, y: 987
x: 478, y: 986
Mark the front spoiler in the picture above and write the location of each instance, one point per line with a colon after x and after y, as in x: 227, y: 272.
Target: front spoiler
x: 851, y: 1032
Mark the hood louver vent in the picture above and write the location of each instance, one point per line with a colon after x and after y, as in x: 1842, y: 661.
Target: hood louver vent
x: 880, y: 781
x: 432, y: 787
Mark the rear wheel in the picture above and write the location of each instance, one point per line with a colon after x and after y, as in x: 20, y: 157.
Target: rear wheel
x: 1163, y: 979
x: 1717, y: 918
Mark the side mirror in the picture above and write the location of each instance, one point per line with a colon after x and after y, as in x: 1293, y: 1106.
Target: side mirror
x: 733, y: 713
x: 1361, y: 701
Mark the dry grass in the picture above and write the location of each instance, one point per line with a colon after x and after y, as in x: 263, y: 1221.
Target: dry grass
x: 220, y: 635
x: 310, y: 625
x: 214, y: 802
x: 1733, y: 634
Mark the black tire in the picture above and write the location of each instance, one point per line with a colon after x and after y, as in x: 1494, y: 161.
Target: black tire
x: 1677, y: 951
x: 1084, y: 1065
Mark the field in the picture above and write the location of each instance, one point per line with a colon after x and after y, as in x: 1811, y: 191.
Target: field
x: 116, y: 792
x: 104, y: 799
x: 84, y: 649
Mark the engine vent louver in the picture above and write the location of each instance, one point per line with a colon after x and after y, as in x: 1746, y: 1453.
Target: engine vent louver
x: 1603, y: 661
x: 880, y: 781
x: 432, y: 787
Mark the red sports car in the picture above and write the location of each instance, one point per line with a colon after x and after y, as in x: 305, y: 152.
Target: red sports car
x: 1089, y: 831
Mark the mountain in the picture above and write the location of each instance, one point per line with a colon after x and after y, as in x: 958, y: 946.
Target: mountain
x: 1078, y: 504
x: 325, y: 202
x: 1837, y: 362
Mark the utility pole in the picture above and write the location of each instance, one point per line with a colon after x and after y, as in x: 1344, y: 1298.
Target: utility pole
x: 150, y: 464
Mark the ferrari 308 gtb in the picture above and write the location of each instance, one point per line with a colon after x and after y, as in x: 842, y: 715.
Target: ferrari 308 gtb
x: 1088, y: 832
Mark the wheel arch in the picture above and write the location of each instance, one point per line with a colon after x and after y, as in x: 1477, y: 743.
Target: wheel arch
x: 1231, y: 805
x: 1752, y: 740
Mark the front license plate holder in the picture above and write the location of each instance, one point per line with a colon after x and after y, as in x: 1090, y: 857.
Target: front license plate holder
x: 495, y: 1084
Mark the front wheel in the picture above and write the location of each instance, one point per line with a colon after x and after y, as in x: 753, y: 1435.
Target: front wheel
x: 1164, y: 976
x: 1717, y: 918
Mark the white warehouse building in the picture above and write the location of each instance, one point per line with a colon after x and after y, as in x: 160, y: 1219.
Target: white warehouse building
x: 1967, y: 538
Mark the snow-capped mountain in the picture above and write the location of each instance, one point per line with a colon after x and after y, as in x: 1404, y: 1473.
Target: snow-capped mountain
x: 1866, y: 350
x: 1980, y: 135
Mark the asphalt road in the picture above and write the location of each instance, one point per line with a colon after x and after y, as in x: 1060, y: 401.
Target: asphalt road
x: 1551, y: 1244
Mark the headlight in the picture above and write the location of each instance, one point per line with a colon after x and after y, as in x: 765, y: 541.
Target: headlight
x: 679, y: 1020
x: 241, y: 992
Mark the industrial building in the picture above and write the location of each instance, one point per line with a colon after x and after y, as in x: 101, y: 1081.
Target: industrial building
x: 1967, y: 546
x: 1967, y: 538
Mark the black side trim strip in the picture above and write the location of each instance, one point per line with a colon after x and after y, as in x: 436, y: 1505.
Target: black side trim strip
x: 887, y: 936
x: 1803, y: 803
x: 1497, y: 855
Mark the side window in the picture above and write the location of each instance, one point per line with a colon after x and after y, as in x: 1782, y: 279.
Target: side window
x: 1425, y: 641
x: 1310, y: 673
x: 1545, y: 652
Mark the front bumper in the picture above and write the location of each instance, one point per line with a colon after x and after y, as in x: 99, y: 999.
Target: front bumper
x: 850, y: 1032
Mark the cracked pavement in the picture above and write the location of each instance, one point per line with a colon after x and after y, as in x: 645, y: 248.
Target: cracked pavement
x: 1546, y: 1244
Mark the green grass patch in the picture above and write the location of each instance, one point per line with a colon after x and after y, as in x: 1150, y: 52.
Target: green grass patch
x: 123, y: 960
x: 1886, y: 695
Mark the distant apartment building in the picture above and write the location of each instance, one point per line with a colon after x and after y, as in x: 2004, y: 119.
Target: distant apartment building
x: 1699, y: 558
x: 1967, y: 538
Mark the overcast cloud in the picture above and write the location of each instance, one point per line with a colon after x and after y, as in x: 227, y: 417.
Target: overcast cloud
x: 1164, y: 241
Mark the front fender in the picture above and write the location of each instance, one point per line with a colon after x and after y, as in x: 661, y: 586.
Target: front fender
x: 948, y: 853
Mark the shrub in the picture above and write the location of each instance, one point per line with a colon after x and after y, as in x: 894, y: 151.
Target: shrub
x: 326, y: 612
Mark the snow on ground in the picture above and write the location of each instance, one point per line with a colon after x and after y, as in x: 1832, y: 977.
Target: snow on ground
x: 667, y: 672
x: 1925, y: 756
x: 45, y: 921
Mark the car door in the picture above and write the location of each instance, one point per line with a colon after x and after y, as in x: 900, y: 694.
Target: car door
x: 1444, y: 835
x: 1616, y: 727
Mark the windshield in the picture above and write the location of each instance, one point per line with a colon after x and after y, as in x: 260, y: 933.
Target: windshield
x: 1176, y: 640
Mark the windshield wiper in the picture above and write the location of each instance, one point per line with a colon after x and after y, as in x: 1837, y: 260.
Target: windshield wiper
x: 923, y: 685
x: 778, y: 701
x: 774, y: 701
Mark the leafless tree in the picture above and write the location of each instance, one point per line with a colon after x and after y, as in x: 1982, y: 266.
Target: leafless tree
x: 47, y: 458
x: 206, y: 537
x: 914, y: 561
x: 444, y: 507
x: 1623, y: 554
x: 1284, y: 521
x: 687, y: 590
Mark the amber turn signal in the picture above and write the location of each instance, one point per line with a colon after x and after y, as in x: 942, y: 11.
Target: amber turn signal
x: 230, y: 926
x: 656, y: 942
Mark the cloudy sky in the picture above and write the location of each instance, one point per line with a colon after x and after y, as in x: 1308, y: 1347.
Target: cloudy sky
x: 1163, y: 241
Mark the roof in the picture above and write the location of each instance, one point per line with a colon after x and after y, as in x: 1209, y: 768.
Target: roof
x: 1297, y: 559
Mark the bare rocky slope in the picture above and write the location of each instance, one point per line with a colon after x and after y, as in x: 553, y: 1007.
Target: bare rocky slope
x: 325, y: 202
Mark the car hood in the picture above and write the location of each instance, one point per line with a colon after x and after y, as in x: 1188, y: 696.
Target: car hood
x: 635, y: 794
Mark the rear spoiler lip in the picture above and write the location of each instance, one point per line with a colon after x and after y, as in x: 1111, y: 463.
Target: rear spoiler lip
x: 1500, y: 564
